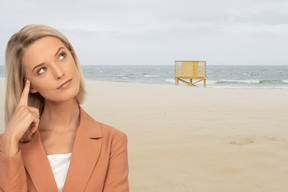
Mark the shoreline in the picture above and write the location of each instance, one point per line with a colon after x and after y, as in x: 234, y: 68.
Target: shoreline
x: 218, y: 76
x: 171, y: 85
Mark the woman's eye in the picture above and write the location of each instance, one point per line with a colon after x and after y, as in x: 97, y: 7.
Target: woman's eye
x: 62, y: 56
x: 42, y: 70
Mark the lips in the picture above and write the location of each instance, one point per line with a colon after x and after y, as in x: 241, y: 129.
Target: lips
x: 63, y: 85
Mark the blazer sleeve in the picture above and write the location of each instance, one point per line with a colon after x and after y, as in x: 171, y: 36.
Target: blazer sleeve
x: 12, y: 172
x: 117, y: 175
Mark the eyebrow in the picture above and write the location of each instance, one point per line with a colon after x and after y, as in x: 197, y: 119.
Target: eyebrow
x: 59, y: 50
x: 44, y: 63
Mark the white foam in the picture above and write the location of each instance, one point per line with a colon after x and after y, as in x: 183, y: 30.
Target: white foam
x: 247, y: 81
x: 147, y: 76
x: 170, y: 80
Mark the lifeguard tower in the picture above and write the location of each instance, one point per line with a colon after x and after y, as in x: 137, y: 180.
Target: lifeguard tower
x: 190, y: 70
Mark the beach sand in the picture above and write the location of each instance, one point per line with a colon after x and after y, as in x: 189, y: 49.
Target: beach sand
x: 195, y: 139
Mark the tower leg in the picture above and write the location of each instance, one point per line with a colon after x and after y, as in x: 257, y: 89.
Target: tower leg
x: 176, y: 81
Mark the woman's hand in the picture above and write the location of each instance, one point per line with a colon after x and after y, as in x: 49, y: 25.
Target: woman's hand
x: 24, y: 122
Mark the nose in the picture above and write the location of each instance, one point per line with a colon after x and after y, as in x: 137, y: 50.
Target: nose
x: 58, y: 71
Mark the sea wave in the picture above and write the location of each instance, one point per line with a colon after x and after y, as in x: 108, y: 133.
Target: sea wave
x: 248, y: 81
x: 170, y: 80
x: 151, y: 76
x: 123, y: 76
x: 251, y: 81
x: 271, y: 81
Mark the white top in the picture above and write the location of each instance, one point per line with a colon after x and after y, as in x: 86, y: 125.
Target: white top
x: 60, y: 164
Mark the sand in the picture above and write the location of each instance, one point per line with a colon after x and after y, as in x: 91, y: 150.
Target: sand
x: 196, y: 139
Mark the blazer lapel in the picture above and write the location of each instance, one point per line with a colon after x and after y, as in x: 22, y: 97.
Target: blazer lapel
x: 86, y: 150
x: 37, y: 164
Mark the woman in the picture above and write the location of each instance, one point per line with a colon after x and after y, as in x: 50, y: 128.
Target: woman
x: 50, y: 142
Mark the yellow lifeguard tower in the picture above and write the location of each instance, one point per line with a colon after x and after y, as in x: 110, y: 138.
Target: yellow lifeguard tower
x: 190, y: 70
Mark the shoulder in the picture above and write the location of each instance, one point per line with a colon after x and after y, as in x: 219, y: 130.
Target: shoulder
x: 113, y: 140
x: 111, y: 132
x: 97, y: 129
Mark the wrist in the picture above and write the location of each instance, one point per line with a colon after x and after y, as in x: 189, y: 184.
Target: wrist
x: 9, y: 144
x: 8, y: 135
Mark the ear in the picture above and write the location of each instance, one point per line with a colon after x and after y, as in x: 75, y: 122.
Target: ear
x: 32, y: 90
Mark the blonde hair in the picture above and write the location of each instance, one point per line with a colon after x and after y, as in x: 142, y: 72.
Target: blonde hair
x: 15, y: 75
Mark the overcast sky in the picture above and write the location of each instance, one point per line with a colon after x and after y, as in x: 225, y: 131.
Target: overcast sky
x: 158, y: 32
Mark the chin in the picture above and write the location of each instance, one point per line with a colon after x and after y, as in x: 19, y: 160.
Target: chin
x: 62, y: 97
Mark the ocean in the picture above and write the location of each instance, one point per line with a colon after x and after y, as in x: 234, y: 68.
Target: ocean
x: 218, y: 76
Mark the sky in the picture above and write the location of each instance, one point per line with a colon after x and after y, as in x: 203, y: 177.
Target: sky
x: 158, y: 32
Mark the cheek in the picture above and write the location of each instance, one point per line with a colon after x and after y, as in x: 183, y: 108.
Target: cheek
x: 75, y: 73
x: 37, y: 85
x: 41, y: 87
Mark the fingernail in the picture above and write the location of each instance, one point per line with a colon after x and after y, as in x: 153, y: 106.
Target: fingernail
x: 27, y: 80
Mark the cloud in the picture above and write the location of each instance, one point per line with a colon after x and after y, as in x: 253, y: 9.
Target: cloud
x: 120, y: 32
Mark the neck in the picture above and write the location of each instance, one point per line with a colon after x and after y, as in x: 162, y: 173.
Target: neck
x: 60, y: 116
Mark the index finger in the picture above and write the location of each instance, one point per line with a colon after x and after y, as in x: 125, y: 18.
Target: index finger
x: 25, y: 94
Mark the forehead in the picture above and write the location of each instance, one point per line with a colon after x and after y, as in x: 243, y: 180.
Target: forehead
x: 41, y: 51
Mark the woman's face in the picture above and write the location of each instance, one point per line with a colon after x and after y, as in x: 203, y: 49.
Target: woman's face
x: 48, y: 64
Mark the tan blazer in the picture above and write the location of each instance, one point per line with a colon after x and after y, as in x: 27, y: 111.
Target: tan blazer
x: 99, y: 162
